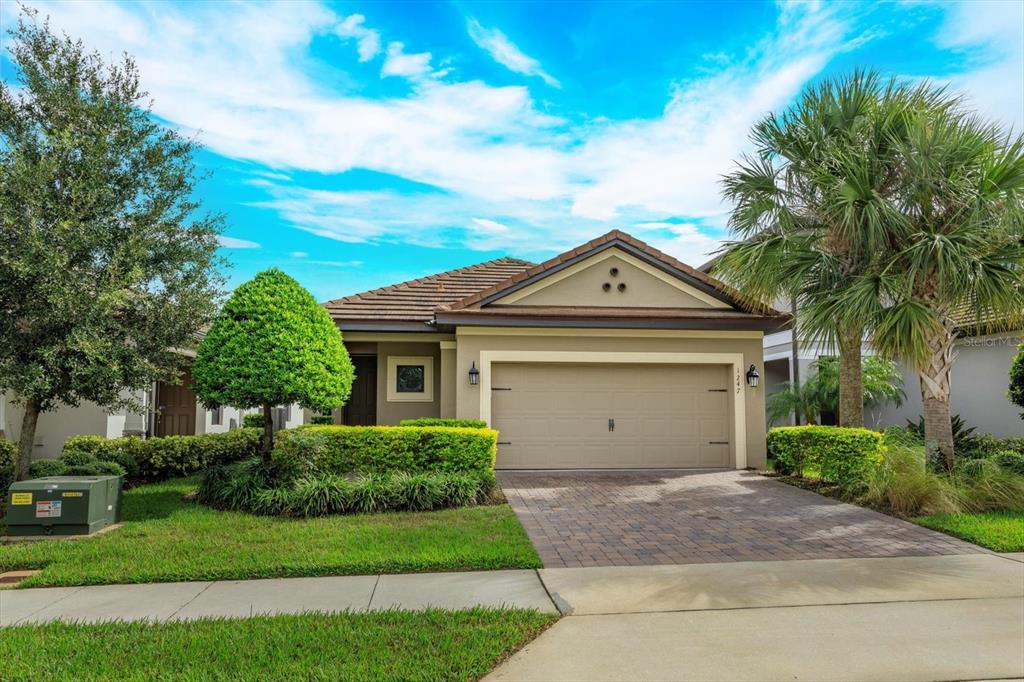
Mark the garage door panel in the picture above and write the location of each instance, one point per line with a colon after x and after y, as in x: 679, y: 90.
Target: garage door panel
x: 556, y: 415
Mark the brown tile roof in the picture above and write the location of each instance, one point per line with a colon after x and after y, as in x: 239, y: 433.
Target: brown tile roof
x: 416, y: 300
x: 725, y: 292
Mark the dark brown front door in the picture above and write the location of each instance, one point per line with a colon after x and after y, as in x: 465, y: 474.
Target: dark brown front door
x: 361, y: 408
x: 176, y: 407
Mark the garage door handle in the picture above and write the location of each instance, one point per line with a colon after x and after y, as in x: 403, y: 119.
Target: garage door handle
x: 504, y: 442
x: 718, y: 442
x: 496, y: 388
x: 611, y: 424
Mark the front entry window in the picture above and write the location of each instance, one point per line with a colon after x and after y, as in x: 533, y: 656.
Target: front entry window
x: 410, y: 379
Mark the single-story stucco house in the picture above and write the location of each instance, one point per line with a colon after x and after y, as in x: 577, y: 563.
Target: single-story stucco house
x: 611, y: 355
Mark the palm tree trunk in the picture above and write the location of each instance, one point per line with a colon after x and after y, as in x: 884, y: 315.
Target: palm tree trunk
x: 26, y: 440
x: 935, y: 391
x: 851, y: 381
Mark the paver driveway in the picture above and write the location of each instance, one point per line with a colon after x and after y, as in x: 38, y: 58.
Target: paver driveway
x: 635, y: 518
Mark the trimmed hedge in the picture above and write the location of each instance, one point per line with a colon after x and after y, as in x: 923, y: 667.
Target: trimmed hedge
x: 343, y: 450
x: 249, y: 486
x: 253, y: 420
x: 57, y: 467
x: 454, y: 423
x: 846, y: 456
x: 156, y: 459
x: 7, y: 452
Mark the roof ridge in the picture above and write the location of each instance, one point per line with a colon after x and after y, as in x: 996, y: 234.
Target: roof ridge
x: 428, y: 278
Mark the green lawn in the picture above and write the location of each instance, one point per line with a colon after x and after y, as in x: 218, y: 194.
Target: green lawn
x: 393, y: 645
x: 998, y: 531
x: 166, y: 539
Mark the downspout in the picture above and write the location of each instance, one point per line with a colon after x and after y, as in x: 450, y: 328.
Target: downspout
x: 795, y: 359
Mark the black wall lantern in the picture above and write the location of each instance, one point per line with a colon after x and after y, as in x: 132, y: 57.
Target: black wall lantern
x: 753, y: 378
x: 474, y: 375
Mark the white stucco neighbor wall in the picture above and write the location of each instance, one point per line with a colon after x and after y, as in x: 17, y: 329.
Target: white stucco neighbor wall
x: 979, y: 384
x: 980, y: 380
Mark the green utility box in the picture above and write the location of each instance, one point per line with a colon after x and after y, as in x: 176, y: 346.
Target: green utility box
x: 63, y: 505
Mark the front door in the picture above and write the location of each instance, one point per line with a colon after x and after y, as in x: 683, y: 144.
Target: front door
x: 361, y: 408
x: 176, y: 405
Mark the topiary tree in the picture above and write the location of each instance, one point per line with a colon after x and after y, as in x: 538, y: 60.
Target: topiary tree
x: 272, y: 344
x: 1016, y: 393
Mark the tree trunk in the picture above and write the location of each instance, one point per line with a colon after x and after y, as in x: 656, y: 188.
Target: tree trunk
x: 935, y: 392
x: 851, y: 381
x: 26, y: 442
x: 267, y: 441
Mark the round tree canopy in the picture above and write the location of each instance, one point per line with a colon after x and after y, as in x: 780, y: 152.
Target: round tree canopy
x: 272, y: 344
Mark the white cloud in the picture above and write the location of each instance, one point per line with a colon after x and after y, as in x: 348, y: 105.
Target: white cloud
x: 299, y: 254
x: 991, y: 34
x: 506, y: 53
x: 233, y: 243
x: 240, y: 76
x: 400, y: 63
x: 367, y: 40
x: 490, y: 226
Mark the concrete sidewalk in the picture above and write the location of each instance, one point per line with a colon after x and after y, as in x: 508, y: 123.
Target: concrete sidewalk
x: 244, y: 598
x: 908, y: 618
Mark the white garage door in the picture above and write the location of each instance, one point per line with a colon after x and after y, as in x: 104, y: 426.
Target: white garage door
x: 582, y: 416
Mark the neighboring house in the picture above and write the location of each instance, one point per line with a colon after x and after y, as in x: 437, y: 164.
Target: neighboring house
x: 979, y: 382
x: 171, y: 410
x: 611, y: 355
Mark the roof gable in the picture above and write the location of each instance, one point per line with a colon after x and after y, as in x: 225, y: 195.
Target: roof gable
x: 611, y: 278
x: 697, y: 285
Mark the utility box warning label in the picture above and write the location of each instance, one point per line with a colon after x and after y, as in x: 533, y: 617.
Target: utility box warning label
x: 48, y: 509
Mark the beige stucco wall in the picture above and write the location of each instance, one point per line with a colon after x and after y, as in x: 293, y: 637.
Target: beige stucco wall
x: 747, y: 344
x: 392, y: 412
x: 582, y: 285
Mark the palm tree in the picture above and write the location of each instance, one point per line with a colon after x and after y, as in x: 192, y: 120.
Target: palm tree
x: 957, y: 251
x: 882, y: 383
x: 811, y: 208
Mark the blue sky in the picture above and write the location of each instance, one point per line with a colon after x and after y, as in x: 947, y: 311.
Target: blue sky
x: 359, y: 144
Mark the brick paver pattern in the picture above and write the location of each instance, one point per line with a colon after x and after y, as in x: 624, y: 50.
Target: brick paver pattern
x: 633, y: 518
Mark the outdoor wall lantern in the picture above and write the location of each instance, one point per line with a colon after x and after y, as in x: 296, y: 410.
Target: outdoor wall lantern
x: 753, y: 377
x: 474, y: 375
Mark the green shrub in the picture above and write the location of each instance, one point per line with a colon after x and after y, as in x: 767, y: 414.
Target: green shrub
x: 906, y: 487
x: 1010, y: 460
x: 843, y: 456
x: 250, y: 486
x: 344, y: 450
x: 46, y: 467
x: 977, y: 447
x: 993, y: 488
x: 156, y: 459
x: 7, y: 452
x: 253, y: 420
x: 454, y: 423
x: 96, y: 468
x: 322, y: 419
